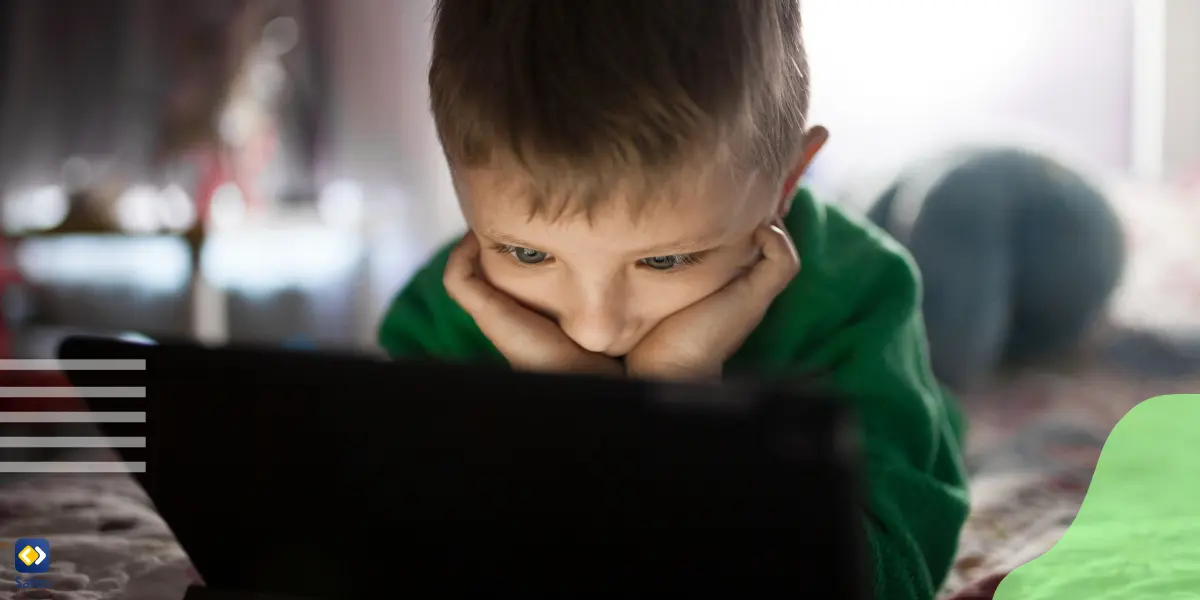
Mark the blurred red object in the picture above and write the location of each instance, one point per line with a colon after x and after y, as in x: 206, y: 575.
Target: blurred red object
x: 213, y: 173
x: 9, y: 275
x: 11, y: 379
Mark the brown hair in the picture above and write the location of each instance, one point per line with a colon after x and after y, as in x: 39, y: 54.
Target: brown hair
x: 585, y: 95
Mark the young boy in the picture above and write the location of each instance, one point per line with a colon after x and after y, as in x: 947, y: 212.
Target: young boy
x: 628, y: 170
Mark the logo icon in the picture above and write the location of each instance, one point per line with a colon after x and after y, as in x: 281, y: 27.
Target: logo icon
x: 32, y: 555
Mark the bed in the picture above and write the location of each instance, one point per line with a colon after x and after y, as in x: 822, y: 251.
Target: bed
x: 1034, y: 440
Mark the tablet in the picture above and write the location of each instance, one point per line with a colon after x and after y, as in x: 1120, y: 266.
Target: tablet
x: 334, y: 476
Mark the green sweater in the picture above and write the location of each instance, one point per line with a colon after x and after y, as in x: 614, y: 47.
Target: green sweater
x: 853, y: 312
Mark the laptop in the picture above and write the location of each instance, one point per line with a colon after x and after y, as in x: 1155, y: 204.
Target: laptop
x: 304, y: 475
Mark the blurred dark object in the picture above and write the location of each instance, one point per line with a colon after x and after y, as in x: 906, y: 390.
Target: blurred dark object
x: 1019, y: 256
x: 199, y: 592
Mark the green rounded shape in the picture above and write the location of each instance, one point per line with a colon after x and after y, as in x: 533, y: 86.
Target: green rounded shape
x: 1137, y: 534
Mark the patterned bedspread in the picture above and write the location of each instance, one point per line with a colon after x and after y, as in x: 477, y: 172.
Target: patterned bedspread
x: 108, y: 542
x: 1033, y: 445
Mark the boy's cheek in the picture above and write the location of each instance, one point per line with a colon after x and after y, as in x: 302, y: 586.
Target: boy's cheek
x: 500, y: 271
x: 487, y: 264
x: 518, y: 283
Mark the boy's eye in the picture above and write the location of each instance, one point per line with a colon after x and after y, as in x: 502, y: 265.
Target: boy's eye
x: 527, y: 256
x: 667, y: 263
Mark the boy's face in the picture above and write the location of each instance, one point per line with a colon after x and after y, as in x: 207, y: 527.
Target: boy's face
x: 609, y: 279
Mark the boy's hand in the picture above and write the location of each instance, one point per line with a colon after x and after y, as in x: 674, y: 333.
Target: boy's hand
x: 695, y: 342
x: 528, y: 340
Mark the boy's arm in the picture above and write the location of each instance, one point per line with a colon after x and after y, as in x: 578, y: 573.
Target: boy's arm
x: 423, y: 322
x: 916, y: 492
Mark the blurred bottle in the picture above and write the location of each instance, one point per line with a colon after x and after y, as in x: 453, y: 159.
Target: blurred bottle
x: 300, y: 342
x: 9, y: 278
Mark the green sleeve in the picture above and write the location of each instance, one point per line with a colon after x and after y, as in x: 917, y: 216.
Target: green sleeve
x: 917, y: 501
x: 854, y: 314
x: 423, y: 322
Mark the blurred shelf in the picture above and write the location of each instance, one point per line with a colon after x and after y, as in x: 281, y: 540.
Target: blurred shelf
x: 82, y: 219
x: 287, y: 218
x: 81, y: 226
x: 222, y: 266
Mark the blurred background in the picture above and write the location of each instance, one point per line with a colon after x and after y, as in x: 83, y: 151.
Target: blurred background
x: 267, y: 171
x: 254, y: 171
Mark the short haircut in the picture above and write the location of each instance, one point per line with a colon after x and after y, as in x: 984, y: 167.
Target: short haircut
x: 582, y: 96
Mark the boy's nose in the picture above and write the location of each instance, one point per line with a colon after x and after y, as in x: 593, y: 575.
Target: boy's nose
x: 597, y: 321
x: 594, y: 329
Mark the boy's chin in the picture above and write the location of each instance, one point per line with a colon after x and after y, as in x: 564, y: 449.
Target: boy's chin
x: 618, y: 353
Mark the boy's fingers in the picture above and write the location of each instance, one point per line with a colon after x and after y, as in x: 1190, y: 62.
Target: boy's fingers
x: 748, y: 297
x: 465, y: 287
x: 778, y: 266
x: 498, y: 315
x: 767, y: 278
x: 486, y: 304
x: 462, y: 260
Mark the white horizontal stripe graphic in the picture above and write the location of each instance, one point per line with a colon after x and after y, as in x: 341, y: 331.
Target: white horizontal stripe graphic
x: 72, y: 467
x: 74, y: 416
x: 71, y: 442
x: 50, y: 364
x: 73, y: 392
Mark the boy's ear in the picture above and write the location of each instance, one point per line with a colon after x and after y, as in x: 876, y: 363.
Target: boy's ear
x: 814, y: 139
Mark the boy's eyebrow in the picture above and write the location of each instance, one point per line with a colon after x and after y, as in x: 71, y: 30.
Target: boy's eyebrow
x: 687, y: 246
x: 690, y: 245
x: 507, y: 239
